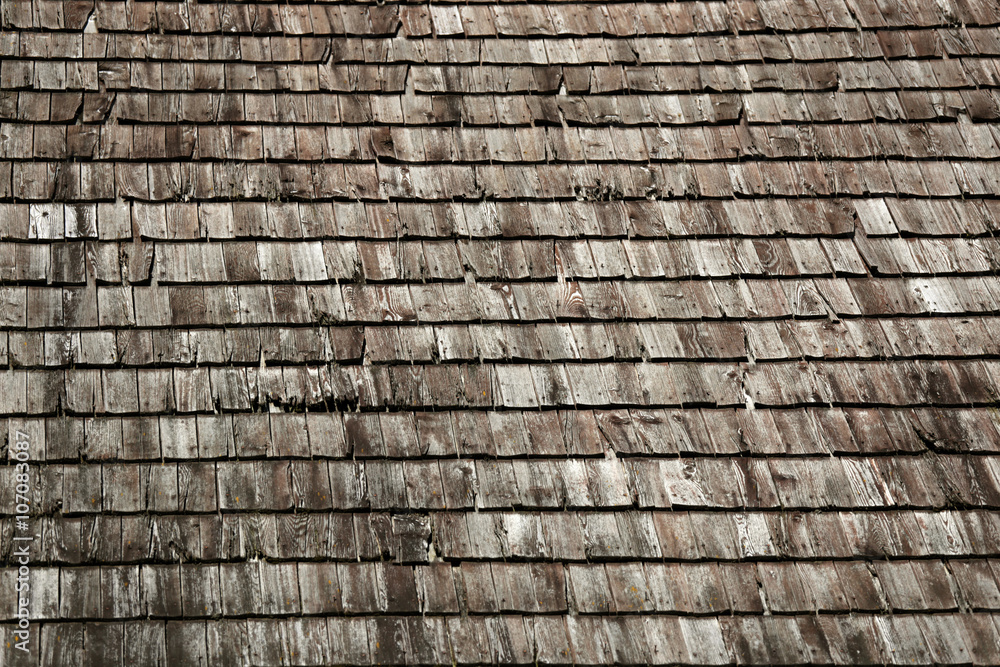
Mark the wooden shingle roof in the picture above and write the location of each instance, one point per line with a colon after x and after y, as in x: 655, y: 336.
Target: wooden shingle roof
x: 566, y: 333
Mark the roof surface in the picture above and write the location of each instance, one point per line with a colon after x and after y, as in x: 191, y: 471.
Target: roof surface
x: 567, y: 333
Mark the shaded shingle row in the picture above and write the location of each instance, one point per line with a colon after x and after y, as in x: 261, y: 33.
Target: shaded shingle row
x: 518, y: 434
x: 635, y: 483
x: 290, y: 589
x: 512, y: 639
x: 382, y: 222
x: 586, y: 536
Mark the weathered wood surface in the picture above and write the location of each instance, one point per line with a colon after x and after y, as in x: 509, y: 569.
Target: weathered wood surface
x: 500, y: 332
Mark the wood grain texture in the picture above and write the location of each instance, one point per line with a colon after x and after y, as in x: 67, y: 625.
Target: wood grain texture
x: 501, y: 333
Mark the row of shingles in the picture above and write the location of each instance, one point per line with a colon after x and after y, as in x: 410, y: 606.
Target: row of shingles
x: 644, y: 19
x: 442, y: 304
x: 720, y: 48
x: 515, y: 260
x: 662, y: 341
x: 686, y: 109
x: 592, y: 536
x: 796, y: 339
x: 619, y: 19
x: 539, y: 145
x: 273, y: 589
x: 513, y: 110
x: 965, y: 73
x: 723, y: 48
x: 596, y: 536
x: 848, y: 75
x: 129, y: 391
x: 580, y: 640
x: 77, y: 47
x: 161, y: 538
x: 261, y: 588
x: 926, y: 482
x: 536, y: 145
x: 498, y: 220
x: 516, y: 110
x: 853, y: 339
x: 194, y: 306
x: 117, y: 75
x: 152, y: 17
x: 586, y: 640
x: 171, y: 181
x: 301, y: 261
x: 512, y: 434
x: 333, y: 18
